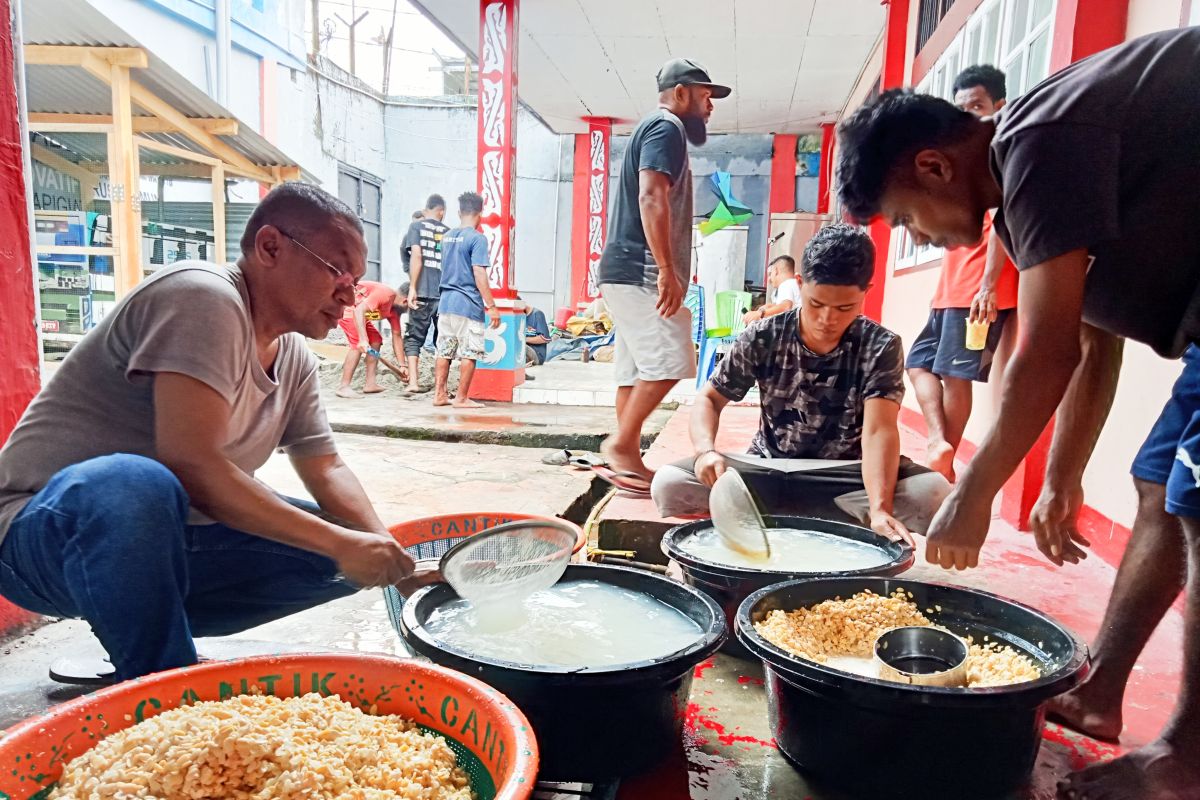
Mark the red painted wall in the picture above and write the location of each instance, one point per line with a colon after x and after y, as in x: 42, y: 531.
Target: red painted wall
x: 19, y: 373
x: 579, y: 219
x: 783, y: 173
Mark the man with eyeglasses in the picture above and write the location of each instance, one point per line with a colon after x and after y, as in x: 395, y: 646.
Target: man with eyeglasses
x: 127, y: 490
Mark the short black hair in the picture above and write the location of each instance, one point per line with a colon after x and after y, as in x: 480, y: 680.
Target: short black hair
x: 878, y: 135
x: 402, y: 291
x: 470, y: 203
x: 419, y: 214
x: 298, y: 208
x: 839, y: 255
x: 791, y: 262
x: 435, y: 201
x: 985, y: 75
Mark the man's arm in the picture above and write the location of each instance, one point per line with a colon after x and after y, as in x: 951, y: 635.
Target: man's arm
x: 655, y: 207
x: 1050, y: 307
x: 190, y: 424
x: 360, y: 322
x: 414, y: 274
x: 337, y: 491
x: 768, y: 310
x: 983, y: 306
x: 881, y: 464
x: 1080, y: 418
x: 705, y: 419
x: 485, y: 291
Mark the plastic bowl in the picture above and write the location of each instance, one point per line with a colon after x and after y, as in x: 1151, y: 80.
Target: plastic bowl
x: 490, y: 736
x: 930, y: 742
x: 729, y: 585
x: 593, y: 723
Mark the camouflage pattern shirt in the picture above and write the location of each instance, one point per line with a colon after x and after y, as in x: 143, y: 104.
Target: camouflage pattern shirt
x: 812, y: 405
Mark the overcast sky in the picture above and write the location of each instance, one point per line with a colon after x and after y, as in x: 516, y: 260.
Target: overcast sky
x: 416, y: 39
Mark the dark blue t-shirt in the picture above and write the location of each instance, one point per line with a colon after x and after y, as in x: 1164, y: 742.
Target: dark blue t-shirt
x: 535, y: 325
x: 463, y: 249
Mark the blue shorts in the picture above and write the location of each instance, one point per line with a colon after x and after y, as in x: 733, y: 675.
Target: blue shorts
x: 1170, y: 455
x: 941, y: 347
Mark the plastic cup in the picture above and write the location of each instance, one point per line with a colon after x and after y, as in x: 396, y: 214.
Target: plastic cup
x: 977, y: 333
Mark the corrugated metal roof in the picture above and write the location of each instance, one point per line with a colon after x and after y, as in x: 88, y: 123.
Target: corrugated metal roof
x: 70, y: 90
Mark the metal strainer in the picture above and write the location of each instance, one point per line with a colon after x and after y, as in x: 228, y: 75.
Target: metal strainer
x: 510, y: 561
x: 735, y: 516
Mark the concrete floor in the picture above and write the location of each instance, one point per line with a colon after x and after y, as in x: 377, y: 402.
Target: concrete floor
x: 726, y: 752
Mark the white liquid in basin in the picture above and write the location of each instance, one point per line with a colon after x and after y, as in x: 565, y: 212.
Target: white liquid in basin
x: 571, y: 624
x: 792, y: 550
x: 855, y: 665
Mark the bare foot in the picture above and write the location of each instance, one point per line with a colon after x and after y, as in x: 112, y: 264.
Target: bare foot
x: 939, y: 457
x: 348, y: 393
x: 372, y: 389
x: 1161, y: 770
x: 441, y: 400
x: 625, y: 461
x: 1081, y: 710
x: 466, y: 403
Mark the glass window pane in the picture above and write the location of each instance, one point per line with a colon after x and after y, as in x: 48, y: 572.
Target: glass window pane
x: 991, y: 35
x: 371, y: 234
x: 951, y: 74
x: 974, y: 39
x: 348, y: 190
x: 1018, y: 23
x: 1039, y: 59
x: 370, y: 202
x: 1014, y: 70
x: 1041, y: 10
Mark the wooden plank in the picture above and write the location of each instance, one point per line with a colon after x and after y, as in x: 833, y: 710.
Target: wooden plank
x: 69, y: 127
x: 88, y: 180
x: 124, y: 184
x: 66, y: 250
x: 218, y: 198
x: 178, y: 152
x: 75, y: 55
x: 214, y: 125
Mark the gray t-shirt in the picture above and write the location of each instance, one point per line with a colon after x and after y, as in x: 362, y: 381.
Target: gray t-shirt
x: 1105, y: 155
x: 192, y: 319
x: 658, y: 143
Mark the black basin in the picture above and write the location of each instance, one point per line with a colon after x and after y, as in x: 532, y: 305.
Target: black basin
x: 729, y: 585
x: 591, y: 724
x: 880, y: 739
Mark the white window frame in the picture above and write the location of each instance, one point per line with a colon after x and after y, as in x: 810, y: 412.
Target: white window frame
x: 1012, y: 51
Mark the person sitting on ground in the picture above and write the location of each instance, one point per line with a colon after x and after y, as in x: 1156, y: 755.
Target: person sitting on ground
x: 373, y: 302
x: 127, y: 490
x: 537, y: 335
x: 781, y: 276
x: 978, y: 283
x: 831, y: 381
x: 466, y: 300
x: 421, y: 254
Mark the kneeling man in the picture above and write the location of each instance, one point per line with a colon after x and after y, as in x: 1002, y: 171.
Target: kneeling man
x: 830, y: 382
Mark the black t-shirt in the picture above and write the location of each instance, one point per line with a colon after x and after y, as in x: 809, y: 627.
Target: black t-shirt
x: 428, y: 234
x: 658, y: 143
x: 1105, y: 155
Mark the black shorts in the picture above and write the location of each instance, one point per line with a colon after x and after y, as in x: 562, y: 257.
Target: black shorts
x: 942, y: 347
x: 419, y: 321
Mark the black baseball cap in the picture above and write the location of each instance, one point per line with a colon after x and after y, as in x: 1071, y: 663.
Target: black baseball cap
x: 688, y: 73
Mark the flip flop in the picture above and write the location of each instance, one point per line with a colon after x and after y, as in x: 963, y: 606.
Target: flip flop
x: 623, y: 480
x: 581, y: 460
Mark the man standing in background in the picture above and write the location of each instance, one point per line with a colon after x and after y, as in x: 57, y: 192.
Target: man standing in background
x: 647, y: 261
x: 978, y: 284
x: 421, y: 253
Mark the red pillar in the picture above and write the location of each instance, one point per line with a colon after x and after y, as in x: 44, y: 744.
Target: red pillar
x: 589, y: 210
x: 895, y: 44
x: 783, y: 173
x: 497, y: 150
x: 825, y: 170
x: 19, y: 369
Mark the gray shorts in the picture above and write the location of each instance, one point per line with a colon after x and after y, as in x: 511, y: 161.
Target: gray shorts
x: 459, y: 337
x: 649, y: 347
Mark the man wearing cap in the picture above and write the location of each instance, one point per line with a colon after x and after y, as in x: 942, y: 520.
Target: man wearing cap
x: 647, y: 261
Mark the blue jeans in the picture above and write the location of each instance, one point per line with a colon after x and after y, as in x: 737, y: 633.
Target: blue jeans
x: 107, y: 541
x: 1171, y: 453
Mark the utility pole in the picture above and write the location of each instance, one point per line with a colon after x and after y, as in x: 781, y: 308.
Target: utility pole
x: 352, y: 23
x: 316, y: 30
x: 387, y: 50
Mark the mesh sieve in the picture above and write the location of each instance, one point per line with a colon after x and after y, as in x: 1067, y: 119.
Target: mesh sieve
x: 510, y: 561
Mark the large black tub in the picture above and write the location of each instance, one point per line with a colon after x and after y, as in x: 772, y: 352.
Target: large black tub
x: 591, y: 723
x: 729, y: 585
x: 873, y: 738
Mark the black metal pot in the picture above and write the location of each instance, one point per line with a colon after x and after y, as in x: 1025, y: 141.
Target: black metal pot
x: 729, y: 585
x: 591, y: 723
x: 880, y: 739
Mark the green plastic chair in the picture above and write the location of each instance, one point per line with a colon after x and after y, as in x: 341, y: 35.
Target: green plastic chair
x: 731, y: 306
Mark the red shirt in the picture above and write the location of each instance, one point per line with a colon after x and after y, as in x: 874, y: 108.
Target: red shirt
x: 962, y: 272
x: 378, y: 301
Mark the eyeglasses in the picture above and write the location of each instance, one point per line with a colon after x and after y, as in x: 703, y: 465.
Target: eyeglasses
x: 340, y: 277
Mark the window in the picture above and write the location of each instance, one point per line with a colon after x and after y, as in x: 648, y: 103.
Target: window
x: 363, y: 192
x: 1027, y: 32
x: 928, y: 17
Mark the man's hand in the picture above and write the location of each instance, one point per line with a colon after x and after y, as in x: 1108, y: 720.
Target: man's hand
x: 493, y: 317
x: 363, y: 346
x: 371, y: 559
x: 1054, y: 521
x: 709, y: 466
x: 413, y: 302
x: 670, y: 293
x: 959, y: 530
x: 888, y: 526
x: 983, y: 306
x: 752, y: 316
